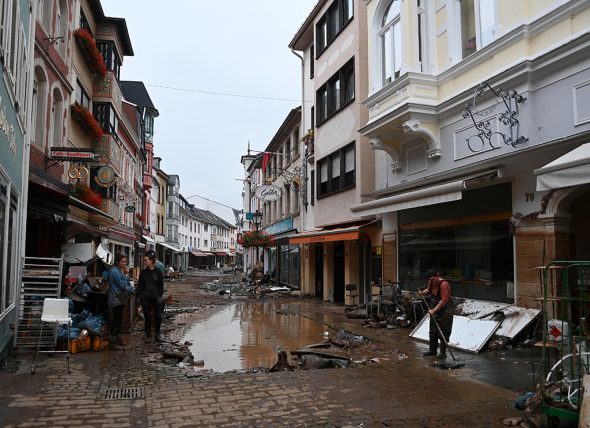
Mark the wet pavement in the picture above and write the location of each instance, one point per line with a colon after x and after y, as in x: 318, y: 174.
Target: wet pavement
x: 398, y: 392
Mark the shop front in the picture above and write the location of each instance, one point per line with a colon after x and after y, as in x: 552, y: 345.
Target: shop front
x: 469, y: 242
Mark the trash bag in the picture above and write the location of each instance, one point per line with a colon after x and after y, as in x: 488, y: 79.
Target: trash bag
x: 62, y: 333
x: 520, y: 403
x: 77, y: 318
x: 93, y: 324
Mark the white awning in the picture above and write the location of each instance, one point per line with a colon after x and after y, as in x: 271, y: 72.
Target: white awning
x: 148, y: 239
x: 418, y: 198
x: 571, y: 169
x: 441, y: 193
x: 163, y: 244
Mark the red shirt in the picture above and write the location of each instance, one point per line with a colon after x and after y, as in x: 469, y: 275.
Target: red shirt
x: 445, y: 290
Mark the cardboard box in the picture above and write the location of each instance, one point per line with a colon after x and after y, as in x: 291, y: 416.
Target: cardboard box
x: 81, y: 344
x: 100, y: 343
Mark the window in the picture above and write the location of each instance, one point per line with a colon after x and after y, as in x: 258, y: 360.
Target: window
x: 82, y: 97
x: 8, y: 234
x: 84, y: 22
x: 111, y: 58
x: 311, y: 62
x: 312, y: 188
x: 332, y: 23
x: 391, y: 46
x: 106, y: 117
x: 336, y: 93
x: 337, y: 171
x: 477, y: 20
x: 148, y: 127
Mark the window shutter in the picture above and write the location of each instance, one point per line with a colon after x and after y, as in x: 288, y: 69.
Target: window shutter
x: 323, y: 172
x: 349, y: 160
x: 336, y: 166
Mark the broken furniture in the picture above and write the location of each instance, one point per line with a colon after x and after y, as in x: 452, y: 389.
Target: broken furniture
x: 55, y: 311
x: 352, y: 293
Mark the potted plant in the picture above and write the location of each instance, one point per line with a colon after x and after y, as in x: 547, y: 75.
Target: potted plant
x: 308, y: 137
x: 93, y: 56
x: 87, y: 121
x: 255, y: 238
x: 86, y: 194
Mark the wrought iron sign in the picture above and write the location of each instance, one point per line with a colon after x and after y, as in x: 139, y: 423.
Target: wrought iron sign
x: 71, y: 154
x: 509, y: 100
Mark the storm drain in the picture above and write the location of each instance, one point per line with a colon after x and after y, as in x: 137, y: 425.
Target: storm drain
x: 121, y: 393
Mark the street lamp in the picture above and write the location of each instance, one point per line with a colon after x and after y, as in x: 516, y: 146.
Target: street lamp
x: 257, y: 219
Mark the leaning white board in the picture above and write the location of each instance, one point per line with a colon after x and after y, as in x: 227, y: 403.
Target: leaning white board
x: 467, y: 334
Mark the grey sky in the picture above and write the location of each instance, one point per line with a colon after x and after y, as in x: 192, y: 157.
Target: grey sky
x: 230, y: 47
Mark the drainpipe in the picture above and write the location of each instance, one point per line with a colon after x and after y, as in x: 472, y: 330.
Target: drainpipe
x: 302, y: 132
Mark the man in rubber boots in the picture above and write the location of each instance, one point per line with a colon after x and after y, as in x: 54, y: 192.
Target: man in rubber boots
x: 442, y: 312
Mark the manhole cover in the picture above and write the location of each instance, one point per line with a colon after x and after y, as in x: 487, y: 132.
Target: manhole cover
x: 121, y: 393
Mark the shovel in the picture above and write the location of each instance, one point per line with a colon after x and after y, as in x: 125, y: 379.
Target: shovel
x: 449, y: 366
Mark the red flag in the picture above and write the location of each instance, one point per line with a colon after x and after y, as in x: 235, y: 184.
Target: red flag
x: 265, y: 159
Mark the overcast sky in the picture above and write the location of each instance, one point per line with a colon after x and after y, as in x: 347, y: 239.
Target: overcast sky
x: 206, y: 49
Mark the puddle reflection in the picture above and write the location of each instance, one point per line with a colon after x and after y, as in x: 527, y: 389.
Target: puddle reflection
x: 247, y: 335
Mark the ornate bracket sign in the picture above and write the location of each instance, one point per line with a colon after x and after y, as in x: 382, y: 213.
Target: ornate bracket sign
x: 480, y: 118
x: 268, y: 193
x: 72, y: 154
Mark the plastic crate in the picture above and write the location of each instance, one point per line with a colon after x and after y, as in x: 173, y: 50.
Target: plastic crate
x: 100, y: 343
x: 81, y: 344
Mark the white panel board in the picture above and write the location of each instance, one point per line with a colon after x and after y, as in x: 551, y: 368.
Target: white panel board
x: 516, y: 320
x: 468, y: 334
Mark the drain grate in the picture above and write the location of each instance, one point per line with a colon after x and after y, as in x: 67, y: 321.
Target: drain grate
x: 121, y: 393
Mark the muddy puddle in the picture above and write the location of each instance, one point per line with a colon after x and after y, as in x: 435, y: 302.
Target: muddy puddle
x: 246, y: 335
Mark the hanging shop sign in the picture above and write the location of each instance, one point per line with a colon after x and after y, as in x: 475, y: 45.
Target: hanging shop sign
x: 77, y: 172
x: 105, y: 176
x: 72, y: 154
x: 268, y: 193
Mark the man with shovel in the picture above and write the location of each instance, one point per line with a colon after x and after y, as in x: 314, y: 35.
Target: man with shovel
x: 442, y: 314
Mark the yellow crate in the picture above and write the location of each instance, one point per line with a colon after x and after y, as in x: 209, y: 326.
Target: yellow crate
x: 100, y: 343
x: 81, y: 344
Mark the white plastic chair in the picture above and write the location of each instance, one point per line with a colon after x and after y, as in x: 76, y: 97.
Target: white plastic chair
x: 54, y: 311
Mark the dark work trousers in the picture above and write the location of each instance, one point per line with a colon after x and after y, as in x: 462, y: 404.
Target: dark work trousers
x: 116, y: 321
x: 444, y: 317
x: 152, y: 312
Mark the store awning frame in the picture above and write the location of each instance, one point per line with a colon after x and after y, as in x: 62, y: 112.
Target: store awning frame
x: 351, y: 233
x: 198, y: 254
x: 170, y: 247
x: 432, y: 195
x: 571, y: 169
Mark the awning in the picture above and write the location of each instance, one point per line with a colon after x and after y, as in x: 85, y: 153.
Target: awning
x: 571, y: 169
x: 447, y: 192
x: 89, y: 208
x: 170, y: 247
x: 221, y: 253
x: 198, y: 254
x: 148, y: 239
x: 350, y: 233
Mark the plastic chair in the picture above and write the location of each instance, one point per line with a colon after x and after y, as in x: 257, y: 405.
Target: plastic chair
x: 54, y: 311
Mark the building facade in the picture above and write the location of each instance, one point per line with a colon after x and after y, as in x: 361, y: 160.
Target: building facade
x: 459, y: 123
x: 335, y: 246
x: 17, y: 46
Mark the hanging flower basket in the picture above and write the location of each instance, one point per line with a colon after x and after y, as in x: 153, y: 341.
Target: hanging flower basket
x: 86, y: 121
x: 91, y: 53
x: 308, y: 137
x: 86, y: 194
x: 255, y: 238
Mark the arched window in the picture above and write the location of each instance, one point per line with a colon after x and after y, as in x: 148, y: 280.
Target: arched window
x: 57, y: 117
x: 39, y: 108
x: 391, y: 44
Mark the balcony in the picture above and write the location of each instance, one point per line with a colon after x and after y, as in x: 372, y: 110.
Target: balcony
x: 147, y: 182
x: 107, y: 150
x: 110, y: 207
x: 106, y: 89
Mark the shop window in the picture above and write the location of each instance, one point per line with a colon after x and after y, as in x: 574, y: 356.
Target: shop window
x: 469, y: 242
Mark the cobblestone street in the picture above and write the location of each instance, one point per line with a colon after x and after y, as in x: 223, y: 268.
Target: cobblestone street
x: 397, y: 393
